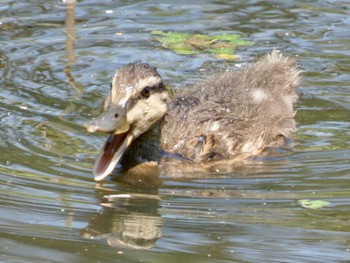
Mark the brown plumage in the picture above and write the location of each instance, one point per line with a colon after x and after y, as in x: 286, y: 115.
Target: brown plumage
x: 229, y: 115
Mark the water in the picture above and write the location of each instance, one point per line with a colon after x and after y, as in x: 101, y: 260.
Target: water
x: 52, y: 211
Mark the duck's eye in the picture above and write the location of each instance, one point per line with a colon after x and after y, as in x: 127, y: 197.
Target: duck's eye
x: 146, y: 92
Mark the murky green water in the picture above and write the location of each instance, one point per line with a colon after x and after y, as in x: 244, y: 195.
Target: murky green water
x: 50, y: 209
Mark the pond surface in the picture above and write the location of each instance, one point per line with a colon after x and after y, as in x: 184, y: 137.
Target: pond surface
x: 52, y: 211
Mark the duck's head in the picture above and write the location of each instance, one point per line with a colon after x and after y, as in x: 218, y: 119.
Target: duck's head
x: 136, y: 101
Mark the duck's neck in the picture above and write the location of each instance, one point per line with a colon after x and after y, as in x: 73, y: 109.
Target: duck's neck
x: 145, y: 148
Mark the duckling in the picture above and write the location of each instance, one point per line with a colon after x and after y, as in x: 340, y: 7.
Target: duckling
x: 227, y: 116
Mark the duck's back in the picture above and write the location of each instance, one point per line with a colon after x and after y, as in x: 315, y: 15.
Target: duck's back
x: 234, y: 113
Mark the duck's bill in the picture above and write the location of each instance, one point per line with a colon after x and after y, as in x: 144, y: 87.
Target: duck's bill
x: 110, y: 154
x: 112, y: 121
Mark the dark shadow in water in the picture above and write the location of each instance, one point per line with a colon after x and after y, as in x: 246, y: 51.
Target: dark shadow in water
x: 70, y: 26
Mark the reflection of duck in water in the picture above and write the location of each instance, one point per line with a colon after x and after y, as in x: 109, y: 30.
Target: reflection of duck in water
x: 232, y: 115
x: 130, y: 221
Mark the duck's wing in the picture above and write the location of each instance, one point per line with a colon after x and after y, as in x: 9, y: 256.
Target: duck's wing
x: 234, y: 113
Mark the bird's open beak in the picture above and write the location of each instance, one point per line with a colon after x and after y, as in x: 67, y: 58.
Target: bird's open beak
x: 114, y: 122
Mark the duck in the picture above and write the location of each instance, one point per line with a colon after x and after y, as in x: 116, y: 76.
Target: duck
x: 231, y: 115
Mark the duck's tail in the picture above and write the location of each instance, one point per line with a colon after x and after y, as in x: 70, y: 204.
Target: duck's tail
x: 282, y: 82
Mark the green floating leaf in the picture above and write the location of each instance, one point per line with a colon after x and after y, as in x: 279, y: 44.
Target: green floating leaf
x: 228, y: 37
x: 227, y: 56
x: 313, y: 204
x: 221, y: 46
